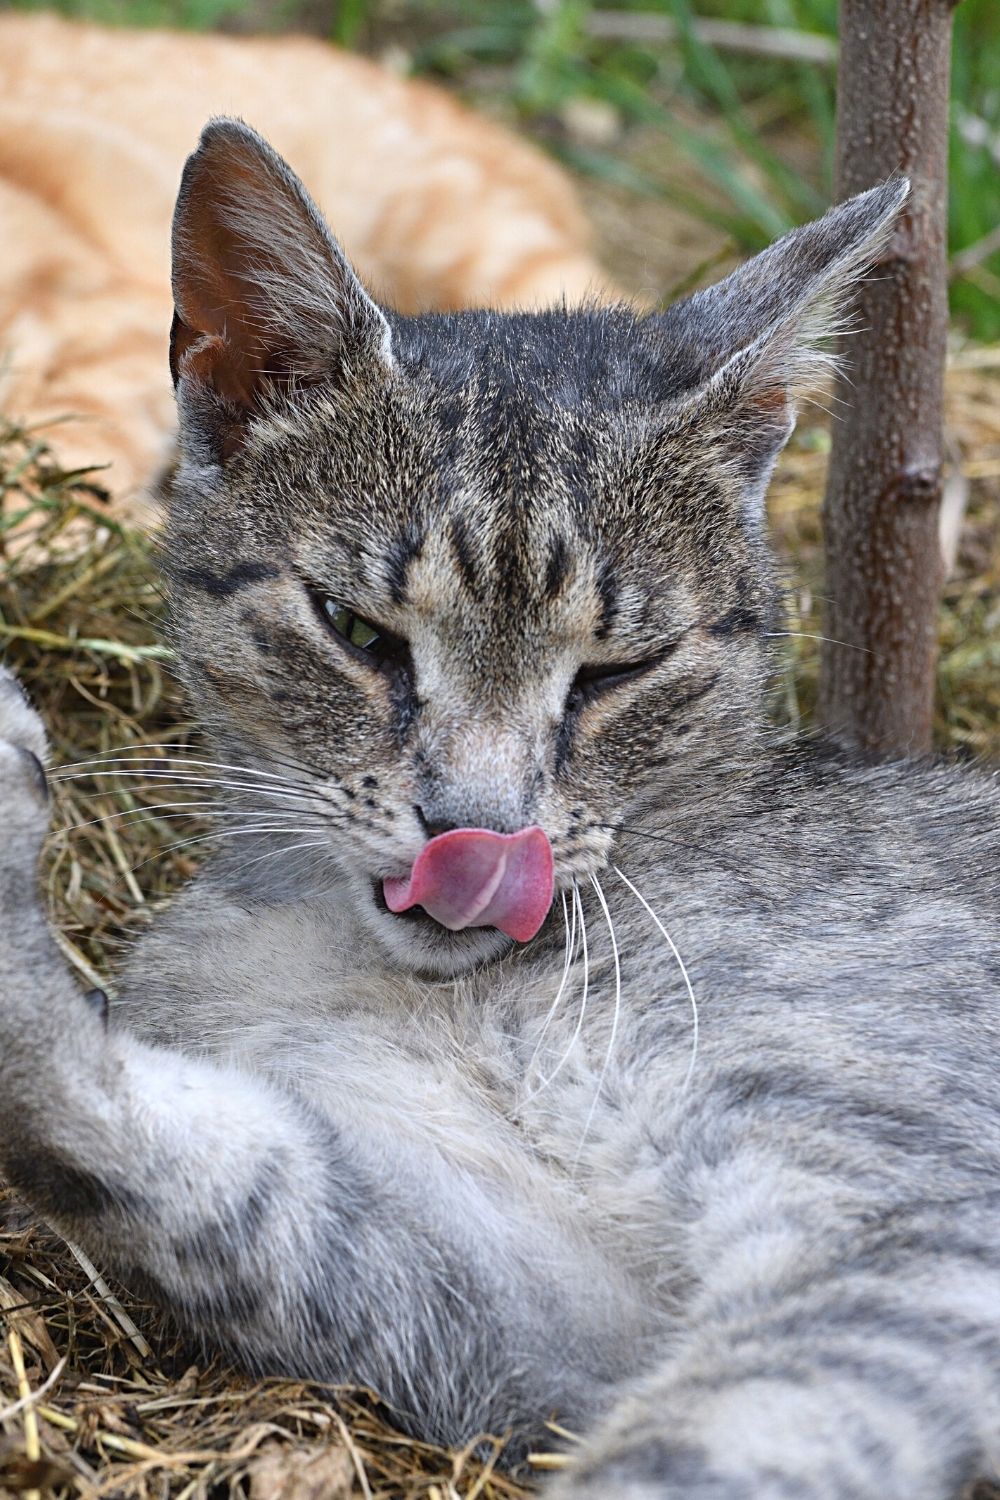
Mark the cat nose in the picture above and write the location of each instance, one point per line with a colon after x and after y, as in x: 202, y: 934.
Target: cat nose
x: 433, y: 826
x: 475, y: 774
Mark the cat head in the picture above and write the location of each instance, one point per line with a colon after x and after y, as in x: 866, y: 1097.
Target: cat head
x: 481, y: 569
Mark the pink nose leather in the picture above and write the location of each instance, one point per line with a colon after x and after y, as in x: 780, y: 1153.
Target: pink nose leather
x: 471, y: 877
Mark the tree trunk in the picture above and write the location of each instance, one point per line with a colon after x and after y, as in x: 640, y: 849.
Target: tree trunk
x: 880, y: 516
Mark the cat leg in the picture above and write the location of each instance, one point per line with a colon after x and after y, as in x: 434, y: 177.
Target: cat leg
x: 293, y: 1240
x: 873, y: 1378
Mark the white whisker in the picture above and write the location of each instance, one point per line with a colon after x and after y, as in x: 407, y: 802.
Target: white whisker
x: 614, y: 1020
x: 583, y: 1002
x: 289, y: 849
x: 680, y: 964
x: 216, y: 835
x: 160, y: 752
x: 806, y: 635
x: 174, y: 779
x: 202, y: 808
x: 143, y: 760
x: 570, y: 949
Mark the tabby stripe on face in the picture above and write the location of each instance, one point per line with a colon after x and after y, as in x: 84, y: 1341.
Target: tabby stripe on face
x: 737, y: 621
x: 224, y: 585
x: 462, y: 548
x: 270, y: 638
x: 555, y: 575
x: 607, y: 589
x: 398, y: 556
x: 694, y: 693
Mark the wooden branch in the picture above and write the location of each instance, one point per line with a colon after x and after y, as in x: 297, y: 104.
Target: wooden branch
x: 880, y: 516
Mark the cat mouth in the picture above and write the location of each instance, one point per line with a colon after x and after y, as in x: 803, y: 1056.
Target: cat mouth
x: 477, y: 877
x: 421, y: 921
x: 413, y: 914
x: 430, y: 950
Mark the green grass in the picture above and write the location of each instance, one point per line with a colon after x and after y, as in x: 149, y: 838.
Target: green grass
x: 759, y: 131
x: 757, y: 107
x: 192, y: 15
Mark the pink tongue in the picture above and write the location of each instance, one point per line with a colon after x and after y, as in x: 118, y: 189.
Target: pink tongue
x: 471, y: 877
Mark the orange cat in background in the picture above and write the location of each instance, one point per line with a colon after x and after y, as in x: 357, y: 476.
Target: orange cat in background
x: 437, y: 207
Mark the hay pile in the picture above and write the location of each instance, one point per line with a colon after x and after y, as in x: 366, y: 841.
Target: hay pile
x: 123, y: 1409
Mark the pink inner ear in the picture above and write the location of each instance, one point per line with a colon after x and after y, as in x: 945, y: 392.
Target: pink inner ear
x: 472, y: 877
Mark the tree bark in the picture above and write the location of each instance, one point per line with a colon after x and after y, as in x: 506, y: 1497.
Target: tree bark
x: 880, y: 516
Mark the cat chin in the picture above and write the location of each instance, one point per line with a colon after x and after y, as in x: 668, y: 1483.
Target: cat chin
x: 415, y: 942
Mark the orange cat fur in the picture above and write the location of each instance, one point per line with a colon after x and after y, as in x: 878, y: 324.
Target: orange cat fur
x: 436, y: 206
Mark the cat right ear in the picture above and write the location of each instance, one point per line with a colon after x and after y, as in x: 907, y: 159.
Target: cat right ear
x: 265, y: 301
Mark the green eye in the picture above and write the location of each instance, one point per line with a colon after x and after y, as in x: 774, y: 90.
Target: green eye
x: 383, y: 649
x: 358, y: 632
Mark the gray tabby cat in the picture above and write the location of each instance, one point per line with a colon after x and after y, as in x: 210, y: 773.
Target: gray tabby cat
x: 708, y: 1168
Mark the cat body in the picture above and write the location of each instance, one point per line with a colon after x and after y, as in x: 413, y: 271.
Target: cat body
x: 440, y: 208
x: 708, y: 1168
x: 722, y: 1172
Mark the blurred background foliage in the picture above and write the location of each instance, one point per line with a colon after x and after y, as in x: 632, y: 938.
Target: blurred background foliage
x: 724, y: 108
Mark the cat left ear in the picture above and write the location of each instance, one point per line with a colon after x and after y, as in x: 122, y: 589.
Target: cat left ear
x: 752, y: 344
x: 265, y: 300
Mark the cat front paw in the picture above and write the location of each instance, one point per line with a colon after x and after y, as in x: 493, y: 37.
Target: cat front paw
x: 24, y: 792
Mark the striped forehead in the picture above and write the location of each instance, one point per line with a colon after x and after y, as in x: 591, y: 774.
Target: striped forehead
x: 513, y: 522
x: 491, y: 568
